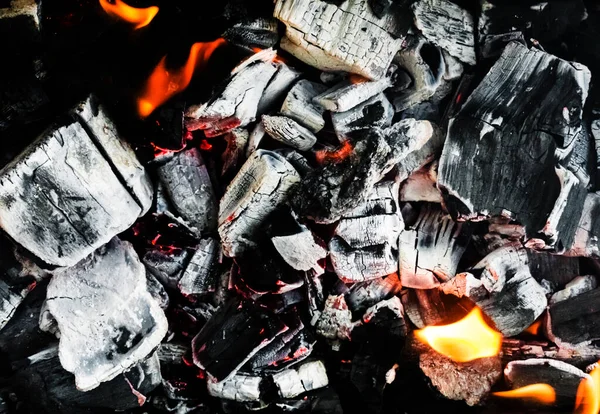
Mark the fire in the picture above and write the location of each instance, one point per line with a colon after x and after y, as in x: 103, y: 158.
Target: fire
x: 534, y: 329
x: 336, y: 156
x: 588, y: 394
x: 542, y: 393
x: 164, y: 83
x: 139, y: 17
x: 463, y: 341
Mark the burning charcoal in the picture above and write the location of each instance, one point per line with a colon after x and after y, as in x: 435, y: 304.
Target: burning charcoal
x: 298, y: 380
x: 468, y: 381
x: 336, y: 319
x: 200, y: 275
x: 448, y: 26
x: 348, y: 176
x: 575, y: 287
x: 133, y: 324
x: 429, y: 152
x: 426, y: 66
x: 54, y: 202
x: 375, y: 112
x: 240, y: 388
x: 571, y: 322
x: 454, y: 68
x: 342, y: 98
x: 232, y: 336
x: 233, y: 157
x: 586, y: 242
x: 301, y: 251
x: 42, y: 376
x: 359, y: 265
x: 367, y: 231
x: 330, y: 51
x: 237, y: 104
x: 167, y: 267
x: 366, y: 294
x: 299, y: 105
x: 260, y: 32
x: 289, y: 132
x: 259, y: 188
x: 157, y: 291
x: 278, y: 87
x: 431, y: 249
x: 188, y: 184
x: 10, y: 298
x: 299, y: 162
x: 421, y: 185
x: 426, y: 307
x: 480, y: 191
x: 563, y: 377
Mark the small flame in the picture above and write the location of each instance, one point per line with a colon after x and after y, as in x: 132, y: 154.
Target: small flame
x: 336, y: 156
x: 139, y: 17
x: 542, y: 393
x: 163, y: 83
x: 463, y: 341
x: 534, y: 329
x: 588, y: 394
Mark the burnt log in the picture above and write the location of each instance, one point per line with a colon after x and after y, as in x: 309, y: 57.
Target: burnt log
x: 299, y: 105
x: 289, y: 132
x: 513, y: 140
x: 375, y: 112
x: 366, y: 263
x: 131, y: 326
x: 234, y: 155
x: 277, y: 88
x: 260, y: 32
x: 188, y: 185
x: 260, y: 187
x: 200, y: 275
x: 302, y: 250
x: 20, y: 20
x: 364, y: 295
x: 345, y: 96
x: 425, y: 307
x: 348, y: 38
x: 73, y: 189
x: 431, y: 249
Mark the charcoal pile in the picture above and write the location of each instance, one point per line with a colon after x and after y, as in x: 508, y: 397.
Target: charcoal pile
x: 378, y: 206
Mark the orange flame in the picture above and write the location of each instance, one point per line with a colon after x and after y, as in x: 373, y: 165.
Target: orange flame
x: 139, y: 17
x: 163, y: 83
x: 463, y: 341
x: 542, y: 393
x: 534, y: 329
x: 588, y: 394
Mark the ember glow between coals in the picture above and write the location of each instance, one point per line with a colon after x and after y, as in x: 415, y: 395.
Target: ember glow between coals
x: 133, y: 15
x: 164, y: 83
x: 542, y: 393
x: 463, y: 341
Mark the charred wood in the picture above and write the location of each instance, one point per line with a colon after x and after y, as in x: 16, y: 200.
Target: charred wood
x: 517, y: 350
x: 302, y: 251
x: 575, y: 287
x: 277, y: 88
x: 200, y: 275
x: 234, y: 155
x: 421, y: 185
x: 260, y: 32
x: 298, y: 380
x: 362, y: 264
x: 335, y: 321
x: 289, y: 132
x: 299, y: 105
x: 375, y: 112
x: 342, y: 98
x: 240, y: 388
x: 366, y: 294
x: 167, y: 267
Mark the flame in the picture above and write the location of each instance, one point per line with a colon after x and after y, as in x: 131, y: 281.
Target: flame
x: 163, y: 83
x: 336, y: 156
x: 588, y: 394
x: 139, y: 17
x: 542, y: 393
x: 463, y: 341
x: 534, y: 329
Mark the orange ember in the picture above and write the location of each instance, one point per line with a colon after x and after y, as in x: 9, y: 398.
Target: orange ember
x: 139, y: 17
x: 588, y: 394
x: 164, y: 83
x: 542, y: 393
x: 534, y: 329
x: 276, y: 59
x: 336, y: 156
x: 356, y: 79
x: 463, y: 341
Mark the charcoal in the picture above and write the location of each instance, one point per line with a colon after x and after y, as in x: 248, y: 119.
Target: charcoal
x: 363, y: 295
x: 232, y: 336
x: 431, y: 249
x: 514, y: 349
x: 425, y: 307
x: 342, y: 98
x: 54, y: 202
x: 487, y: 133
x: 11, y: 296
x: 239, y: 387
x: 157, y: 291
x: 255, y: 138
x: 302, y: 250
x: 330, y: 52
x: 233, y: 156
x: 429, y: 152
x: 299, y: 105
x: 23, y: 101
x: 359, y: 265
x: 448, y: 26
x: 335, y: 322
x: 380, y: 7
x: 367, y: 231
x: 42, y: 376
x: 421, y: 185
x: 375, y: 112
x: 306, y: 377
x: 585, y: 242
x: 20, y: 20
x: 324, y: 401
x: 289, y: 132
x: 200, y: 275
x: 259, y: 188
x: 330, y: 192
x: 167, y: 267
x: 164, y: 405
x: 260, y: 32
x: 112, y: 278
x: 280, y: 84
x: 237, y: 104
x: 575, y: 287
x: 563, y: 377
x: 454, y: 67
x: 188, y: 184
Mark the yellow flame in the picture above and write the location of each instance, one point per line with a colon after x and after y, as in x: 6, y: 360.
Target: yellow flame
x: 139, y: 17
x: 542, y: 393
x: 588, y: 394
x: 468, y: 339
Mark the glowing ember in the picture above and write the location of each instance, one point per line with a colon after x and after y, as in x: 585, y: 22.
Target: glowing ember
x: 336, y: 156
x: 542, y: 393
x: 588, y: 394
x: 276, y: 58
x: 534, y: 329
x: 356, y: 79
x: 468, y: 339
x: 164, y: 83
x: 139, y: 17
